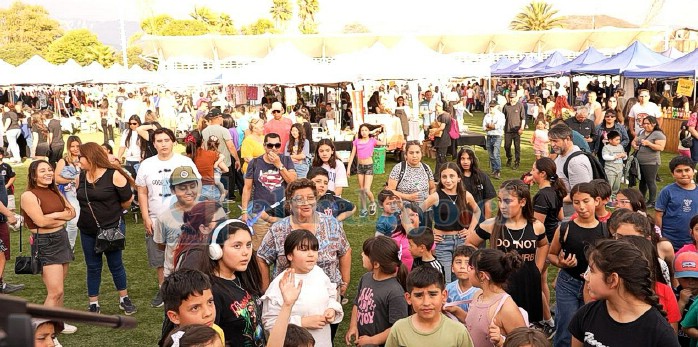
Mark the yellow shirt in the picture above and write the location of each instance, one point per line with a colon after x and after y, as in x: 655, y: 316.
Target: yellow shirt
x: 250, y: 148
x: 220, y: 333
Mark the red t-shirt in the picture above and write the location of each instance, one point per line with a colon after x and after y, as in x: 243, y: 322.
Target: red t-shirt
x: 204, y: 161
x: 668, y: 301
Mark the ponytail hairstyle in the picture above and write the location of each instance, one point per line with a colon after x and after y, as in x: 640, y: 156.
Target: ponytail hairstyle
x: 384, y: 251
x: 524, y: 336
x: 192, y: 143
x: 584, y: 188
x: 627, y: 261
x: 548, y: 166
x: 497, y: 264
x: 518, y: 189
x: 649, y: 250
x: 212, y: 143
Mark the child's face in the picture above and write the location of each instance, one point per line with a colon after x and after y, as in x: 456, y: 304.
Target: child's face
x: 415, y: 250
x: 689, y: 283
x: 694, y: 234
x: 460, y: 267
x: 683, y: 175
x: 389, y: 205
x: 614, y: 141
x: 303, y: 259
x: 540, y: 125
x: 427, y: 302
x: 366, y: 262
x: 584, y: 204
x: 321, y: 183
x: 195, y: 309
x: 44, y: 335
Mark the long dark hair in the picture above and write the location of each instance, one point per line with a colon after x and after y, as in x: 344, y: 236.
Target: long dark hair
x: 68, y: 143
x: 301, y: 139
x: 496, y: 263
x: 461, y: 203
x: 332, y: 162
x: 520, y: 190
x: 251, y: 278
x: 649, y: 250
x: 548, y: 166
x: 384, y: 251
x: 130, y: 132
x: 191, y: 237
x: 32, y: 177
x: 626, y: 260
x: 474, y: 167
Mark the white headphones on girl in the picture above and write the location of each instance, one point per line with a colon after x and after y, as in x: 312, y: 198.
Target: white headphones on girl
x: 215, y: 251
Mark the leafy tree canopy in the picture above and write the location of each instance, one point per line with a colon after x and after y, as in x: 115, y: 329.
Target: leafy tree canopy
x: 17, y: 53
x: 79, y: 45
x: 261, y: 26
x: 155, y: 24
x: 30, y: 24
x: 184, y: 27
x: 355, y: 28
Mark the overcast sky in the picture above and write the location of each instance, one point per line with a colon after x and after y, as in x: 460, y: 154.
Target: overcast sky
x: 381, y: 16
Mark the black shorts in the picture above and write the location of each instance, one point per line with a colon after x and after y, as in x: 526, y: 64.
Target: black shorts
x: 366, y: 169
x: 54, y: 248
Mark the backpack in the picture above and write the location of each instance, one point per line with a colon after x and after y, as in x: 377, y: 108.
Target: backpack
x: 565, y: 226
x: 596, y: 166
x: 403, y: 167
x: 454, y: 132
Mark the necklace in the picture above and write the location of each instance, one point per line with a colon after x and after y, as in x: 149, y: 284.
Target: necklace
x: 512, y: 236
x: 453, y: 201
x: 235, y: 281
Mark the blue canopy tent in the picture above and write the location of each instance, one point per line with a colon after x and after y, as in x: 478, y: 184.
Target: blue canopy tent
x: 635, y: 56
x: 686, y: 66
x: 555, y: 59
x: 590, y: 56
x: 526, y: 62
x: 502, y: 63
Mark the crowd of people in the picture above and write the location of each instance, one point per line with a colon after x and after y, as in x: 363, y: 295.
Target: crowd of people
x: 444, y: 265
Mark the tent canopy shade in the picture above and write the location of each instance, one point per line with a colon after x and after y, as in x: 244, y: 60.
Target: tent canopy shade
x: 686, y: 66
x: 636, y: 55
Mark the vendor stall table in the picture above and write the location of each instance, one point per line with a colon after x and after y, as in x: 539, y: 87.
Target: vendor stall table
x: 468, y: 138
x: 671, y: 128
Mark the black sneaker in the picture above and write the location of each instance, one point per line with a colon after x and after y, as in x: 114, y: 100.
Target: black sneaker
x: 516, y: 166
x: 93, y: 308
x: 7, y: 288
x: 127, y: 306
x: 508, y: 162
x: 157, y: 300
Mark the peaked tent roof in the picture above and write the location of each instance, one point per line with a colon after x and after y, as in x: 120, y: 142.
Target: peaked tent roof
x: 36, y: 70
x: 590, y: 56
x: 502, y: 63
x: 525, y: 63
x: 555, y: 59
x: 673, y: 53
x: 635, y: 56
x: 686, y: 66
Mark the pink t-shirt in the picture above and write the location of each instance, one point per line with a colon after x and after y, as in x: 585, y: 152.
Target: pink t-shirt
x: 281, y: 127
x: 365, y: 150
x: 404, y: 244
x: 687, y: 248
x: 692, y: 120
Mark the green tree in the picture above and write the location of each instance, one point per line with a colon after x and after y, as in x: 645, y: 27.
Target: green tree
x: 154, y: 25
x: 224, y: 25
x: 538, y: 15
x: 281, y: 12
x: 184, y: 27
x: 306, y: 13
x: 76, y: 44
x: 134, y: 56
x: 31, y: 24
x: 102, y: 54
x: 215, y: 22
x: 17, y: 53
x: 261, y: 26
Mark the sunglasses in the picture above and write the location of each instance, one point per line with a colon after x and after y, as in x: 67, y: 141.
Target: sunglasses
x: 273, y: 145
x: 610, y: 116
x: 275, y: 111
x: 133, y: 123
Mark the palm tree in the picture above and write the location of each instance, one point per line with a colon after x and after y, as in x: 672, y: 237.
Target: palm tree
x: 103, y: 54
x: 204, y: 15
x: 538, y: 15
x: 281, y: 11
x: 306, y: 13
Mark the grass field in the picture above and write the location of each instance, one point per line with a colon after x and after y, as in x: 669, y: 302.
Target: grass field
x: 142, y: 279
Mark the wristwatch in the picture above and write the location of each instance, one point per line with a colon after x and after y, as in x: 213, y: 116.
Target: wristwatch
x: 282, y: 168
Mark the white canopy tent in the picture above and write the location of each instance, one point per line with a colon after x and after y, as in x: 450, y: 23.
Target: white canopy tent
x: 36, y: 70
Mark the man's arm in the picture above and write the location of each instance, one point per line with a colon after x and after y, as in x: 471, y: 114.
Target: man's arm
x: 143, y: 203
x: 233, y: 152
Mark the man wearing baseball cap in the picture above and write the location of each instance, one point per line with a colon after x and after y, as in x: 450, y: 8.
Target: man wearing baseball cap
x: 185, y: 185
x: 279, y: 124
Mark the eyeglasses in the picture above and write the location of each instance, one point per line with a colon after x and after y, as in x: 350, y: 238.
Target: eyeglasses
x: 275, y: 111
x: 624, y: 201
x: 273, y: 145
x: 299, y: 200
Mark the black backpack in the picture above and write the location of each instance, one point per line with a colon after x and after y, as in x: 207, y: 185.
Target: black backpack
x: 596, y: 166
x: 403, y: 167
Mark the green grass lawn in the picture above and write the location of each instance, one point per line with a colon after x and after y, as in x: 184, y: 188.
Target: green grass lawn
x: 142, y: 279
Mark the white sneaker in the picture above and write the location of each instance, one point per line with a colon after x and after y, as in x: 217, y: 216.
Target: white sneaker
x: 56, y: 343
x: 69, y: 329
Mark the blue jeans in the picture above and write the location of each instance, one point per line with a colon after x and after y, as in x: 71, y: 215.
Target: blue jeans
x: 494, y: 143
x: 444, y: 254
x: 72, y: 225
x: 210, y: 192
x: 569, y: 298
x: 94, y: 264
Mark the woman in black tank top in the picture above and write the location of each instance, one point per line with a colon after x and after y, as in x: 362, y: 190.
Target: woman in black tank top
x: 456, y: 215
x: 567, y: 252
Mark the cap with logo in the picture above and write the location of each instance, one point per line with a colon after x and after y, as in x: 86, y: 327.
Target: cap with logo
x: 215, y: 112
x: 183, y: 174
x: 686, y: 265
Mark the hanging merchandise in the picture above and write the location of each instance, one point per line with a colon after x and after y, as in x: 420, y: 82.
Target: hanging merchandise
x: 290, y: 96
x: 252, y: 92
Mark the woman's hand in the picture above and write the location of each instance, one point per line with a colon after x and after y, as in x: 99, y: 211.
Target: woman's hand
x: 314, y: 322
x: 329, y: 315
x: 463, y: 233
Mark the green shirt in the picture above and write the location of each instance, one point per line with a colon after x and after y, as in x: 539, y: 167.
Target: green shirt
x: 448, y: 333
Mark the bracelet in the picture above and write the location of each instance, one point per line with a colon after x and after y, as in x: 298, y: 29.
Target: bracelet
x: 244, y: 211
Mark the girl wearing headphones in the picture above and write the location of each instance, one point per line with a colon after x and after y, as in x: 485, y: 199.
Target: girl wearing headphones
x: 236, y: 284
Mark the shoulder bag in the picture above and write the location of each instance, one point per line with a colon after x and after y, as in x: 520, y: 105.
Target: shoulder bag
x: 108, y: 239
x: 28, y: 265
